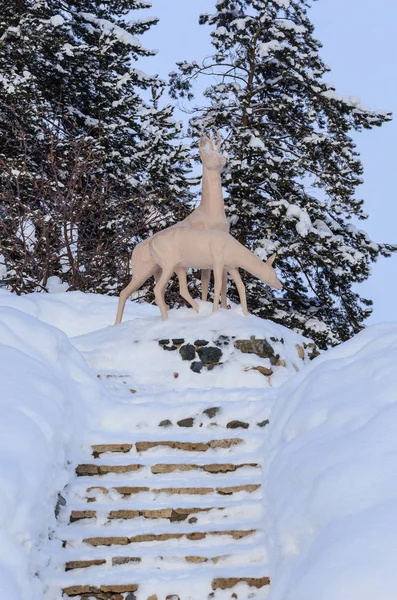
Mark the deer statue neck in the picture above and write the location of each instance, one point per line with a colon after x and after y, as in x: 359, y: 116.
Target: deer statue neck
x: 211, y: 192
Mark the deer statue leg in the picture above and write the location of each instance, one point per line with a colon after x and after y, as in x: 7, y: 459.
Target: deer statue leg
x: 183, y: 289
x: 224, y: 290
x: 133, y: 286
x: 157, y: 275
x: 218, y: 275
x: 240, y: 288
x: 159, y: 290
x: 205, y: 279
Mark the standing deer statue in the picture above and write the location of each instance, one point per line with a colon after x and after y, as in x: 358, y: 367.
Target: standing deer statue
x: 210, y: 214
x: 179, y: 248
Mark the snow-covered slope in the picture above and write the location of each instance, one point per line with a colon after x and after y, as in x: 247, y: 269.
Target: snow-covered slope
x: 45, y: 386
x: 327, y: 460
x: 74, y: 313
x: 332, y: 477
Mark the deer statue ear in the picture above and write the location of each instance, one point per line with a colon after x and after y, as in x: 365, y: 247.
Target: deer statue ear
x: 271, y: 259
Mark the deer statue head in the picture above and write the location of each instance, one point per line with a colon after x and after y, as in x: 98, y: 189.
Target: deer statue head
x: 269, y: 274
x: 210, y: 154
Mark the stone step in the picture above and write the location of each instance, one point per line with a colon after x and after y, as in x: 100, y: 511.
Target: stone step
x: 145, y: 445
x: 103, y: 592
x: 117, y: 592
x: 170, y: 514
x: 127, y: 490
x: 226, y: 583
x: 92, y: 470
x: 173, y: 562
x: 235, y: 534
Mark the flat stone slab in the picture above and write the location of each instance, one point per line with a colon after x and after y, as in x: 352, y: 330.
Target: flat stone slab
x: 98, y: 449
x: 189, y: 446
x: 164, y: 537
x: 90, y: 470
x: 83, y: 564
x: 226, y: 583
x: 78, y: 590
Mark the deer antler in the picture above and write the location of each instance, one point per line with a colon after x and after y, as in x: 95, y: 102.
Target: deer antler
x: 218, y: 139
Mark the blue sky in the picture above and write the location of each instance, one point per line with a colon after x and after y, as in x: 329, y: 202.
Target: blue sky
x: 359, y: 45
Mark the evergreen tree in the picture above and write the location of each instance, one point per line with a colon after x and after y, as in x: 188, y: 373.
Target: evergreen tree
x: 293, y: 167
x: 74, y: 133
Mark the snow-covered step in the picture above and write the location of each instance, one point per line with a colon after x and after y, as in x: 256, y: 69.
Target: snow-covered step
x: 173, y: 514
x: 91, y: 470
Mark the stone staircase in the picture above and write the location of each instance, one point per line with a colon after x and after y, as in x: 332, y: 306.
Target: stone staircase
x: 171, y: 511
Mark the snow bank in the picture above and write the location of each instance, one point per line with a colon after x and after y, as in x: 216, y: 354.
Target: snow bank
x: 332, y: 485
x: 133, y: 347
x: 45, y: 386
x: 74, y: 313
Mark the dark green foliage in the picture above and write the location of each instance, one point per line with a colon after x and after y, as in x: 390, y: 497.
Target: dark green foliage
x: 293, y: 167
x: 88, y: 167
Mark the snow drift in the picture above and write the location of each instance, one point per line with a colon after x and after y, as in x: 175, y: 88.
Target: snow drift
x: 332, y: 485
x: 45, y: 387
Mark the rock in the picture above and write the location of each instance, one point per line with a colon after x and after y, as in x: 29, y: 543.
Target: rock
x: 172, y: 597
x: 132, y: 391
x: 78, y: 515
x: 192, y: 520
x: 237, y: 425
x: 60, y: 502
x: 98, y: 449
x: 178, y: 341
x: 259, y: 347
x: 130, y: 597
x: 263, y: 423
x: 196, y: 366
x: 209, y: 355
x: 301, y: 352
x: 223, y: 340
x: 188, y: 352
x: 116, y: 597
x: 211, y: 412
x: 196, y: 559
x: 176, y: 375
x: 83, y: 564
x: 312, y: 351
x: 274, y: 359
x: 165, y: 423
x: 264, y: 370
x: 164, y: 342
x: 153, y: 597
x: 189, y: 422
x: 200, y: 343
x: 280, y: 363
x: 125, y: 560
x: 170, y: 348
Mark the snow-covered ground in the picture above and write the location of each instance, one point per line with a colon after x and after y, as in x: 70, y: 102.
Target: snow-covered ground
x: 332, y: 477
x: 330, y: 488
x: 45, y: 388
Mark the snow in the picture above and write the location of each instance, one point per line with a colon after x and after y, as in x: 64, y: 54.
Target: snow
x: 44, y: 383
x: 332, y: 487
x: 330, y: 448
x: 112, y: 29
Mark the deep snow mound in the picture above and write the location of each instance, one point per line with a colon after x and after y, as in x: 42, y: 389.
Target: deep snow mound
x: 75, y: 313
x: 45, y: 388
x: 332, y: 485
x: 224, y: 349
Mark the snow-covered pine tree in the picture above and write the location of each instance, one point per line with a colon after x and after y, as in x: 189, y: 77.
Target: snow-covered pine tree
x: 89, y: 98
x: 293, y: 168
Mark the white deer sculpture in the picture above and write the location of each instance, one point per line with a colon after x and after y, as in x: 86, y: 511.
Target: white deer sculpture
x: 210, y: 214
x: 177, y: 249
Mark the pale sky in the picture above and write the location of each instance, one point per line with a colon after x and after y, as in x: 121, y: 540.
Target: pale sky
x: 359, y: 45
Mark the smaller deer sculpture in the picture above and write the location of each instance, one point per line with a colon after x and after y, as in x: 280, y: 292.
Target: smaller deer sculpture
x: 175, y: 250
